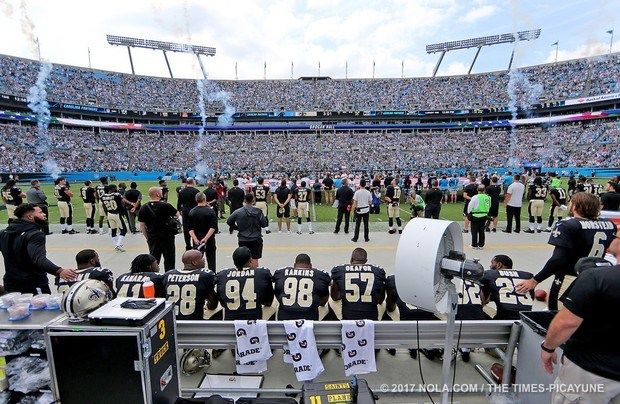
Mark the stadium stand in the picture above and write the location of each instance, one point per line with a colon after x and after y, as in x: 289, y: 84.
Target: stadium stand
x: 575, y: 78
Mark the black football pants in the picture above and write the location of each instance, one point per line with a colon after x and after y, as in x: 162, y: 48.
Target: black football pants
x: 358, y: 220
x: 347, y: 217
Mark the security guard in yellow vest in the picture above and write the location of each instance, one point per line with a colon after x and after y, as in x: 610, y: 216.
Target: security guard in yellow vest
x: 478, y: 212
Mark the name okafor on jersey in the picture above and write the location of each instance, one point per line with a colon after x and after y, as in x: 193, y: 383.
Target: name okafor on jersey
x: 361, y: 287
x: 582, y: 238
x: 260, y: 193
x: 470, y: 301
x: 100, y: 274
x: 406, y: 310
x: 559, y: 194
x: 499, y: 286
x: 113, y: 203
x: 243, y: 292
x: 299, y: 292
x: 537, y: 192
x: 302, y: 194
x: 88, y: 194
x: 188, y: 290
x: 130, y: 284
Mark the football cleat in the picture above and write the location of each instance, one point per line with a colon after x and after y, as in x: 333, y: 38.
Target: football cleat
x: 119, y: 248
x: 391, y: 231
x: 299, y: 232
x: 72, y: 231
x: 311, y: 232
x: 267, y: 231
x: 528, y: 231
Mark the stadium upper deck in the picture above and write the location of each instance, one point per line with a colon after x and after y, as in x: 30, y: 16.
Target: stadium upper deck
x: 548, y: 82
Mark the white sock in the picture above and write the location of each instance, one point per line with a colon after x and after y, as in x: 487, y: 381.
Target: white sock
x: 63, y: 227
x: 299, y: 227
x: 69, y: 227
x: 310, y: 226
x: 114, y: 241
x: 120, y: 240
x: 531, y: 226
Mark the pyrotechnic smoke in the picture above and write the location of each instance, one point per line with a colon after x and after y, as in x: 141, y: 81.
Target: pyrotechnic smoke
x: 7, y: 8
x: 37, y: 102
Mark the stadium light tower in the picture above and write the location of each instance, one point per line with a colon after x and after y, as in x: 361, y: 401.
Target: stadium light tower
x: 162, y: 46
x: 479, y: 43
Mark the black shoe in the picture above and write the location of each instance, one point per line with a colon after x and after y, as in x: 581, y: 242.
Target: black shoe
x: 267, y: 231
x: 64, y: 232
x: 506, y: 231
x: 494, y: 230
x: 528, y: 231
x: 72, y: 231
x: 391, y: 351
x: 335, y: 231
x: 538, y: 230
x: 49, y: 232
x: 517, y: 231
x: 367, y: 240
x: 400, y: 231
x: 354, y: 240
x: 487, y: 230
x: 413, y: 353
x: 392, y: 231
x: 465, y: 356
x: 465, y: 231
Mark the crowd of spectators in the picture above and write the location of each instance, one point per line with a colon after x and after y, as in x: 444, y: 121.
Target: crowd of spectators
x: 565, y: 145
x: 576, y: 78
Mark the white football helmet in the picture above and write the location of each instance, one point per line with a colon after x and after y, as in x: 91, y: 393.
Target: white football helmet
x: 194, y: 360
x: 83, y: 297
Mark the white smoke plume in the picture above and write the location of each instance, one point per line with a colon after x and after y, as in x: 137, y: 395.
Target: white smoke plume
x: 37, y: 102
x: 28, y: 28
x: 7, y: 8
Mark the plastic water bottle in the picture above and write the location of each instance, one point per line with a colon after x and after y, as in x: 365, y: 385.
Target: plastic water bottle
x: 148, y: 289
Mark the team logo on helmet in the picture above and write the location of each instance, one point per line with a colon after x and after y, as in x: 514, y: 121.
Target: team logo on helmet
x: 350, y: 334
x: 291, y: 336
x: 299, y: 323
x: 303, y: 344
x: 296, y: 357
x: 360, y: 323
x: 241, y: 332
x: 250, y: 322
x: 254, y: 340
x: 362, y: 342
x: 95, y: 294
x: 352, y: 353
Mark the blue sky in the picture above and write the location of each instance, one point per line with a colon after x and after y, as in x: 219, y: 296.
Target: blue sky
x: 332, y: 32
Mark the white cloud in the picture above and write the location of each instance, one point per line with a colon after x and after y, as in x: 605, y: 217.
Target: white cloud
x: 582, y: 51
x: 479, y: 13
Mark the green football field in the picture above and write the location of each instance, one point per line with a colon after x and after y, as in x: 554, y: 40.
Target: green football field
x: 323, y: 212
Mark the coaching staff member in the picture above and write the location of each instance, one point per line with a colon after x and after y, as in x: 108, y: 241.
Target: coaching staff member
x: 591, y: 354
x: 344, y: 196
x: 37, y: 197
x: 23, y: 246
x: 362, y: 199
x: 202, y: 226
x: 185, y: 203
x: 249, y: 221
x: 433, y: 199
x: 154, y: 217
x: 235, y: 197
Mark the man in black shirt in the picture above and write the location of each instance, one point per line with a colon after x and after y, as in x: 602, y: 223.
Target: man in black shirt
x: 433, y: 198
x: 154, y: 217
x: 234, y: 198
x: 249, y: 220
x: 610, y: 200
x: 344, y: 196
x: 12, y: 197
x: 583, y: 235
x: 134, y: 197
x: 211, y: 194
x: 328, y: 186
x: 300, y: 290
x: 283, y: 197
x: 191, y: 289
x: 87, y: 192
x: 202, y: 224
x: 22, y: 244
x: 360, y: 286
x: 498, y: 286
x: 589, y: 335
x: 164, y: 190
x: 65, y: 208
x: 494, y: 190
x: 185, y: 203
x: 244, y: 289
x: 469, y: 191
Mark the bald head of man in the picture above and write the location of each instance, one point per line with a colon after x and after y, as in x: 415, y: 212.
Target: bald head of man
x: 155, y: 193
x: 359, y: 256
x: 193, y: 259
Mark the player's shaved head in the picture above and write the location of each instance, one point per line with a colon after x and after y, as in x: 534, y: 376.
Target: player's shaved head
x: 359, y: 256
x: 190, y: 181
x: 155, y: 193
x: 201, y: 197
x: 303, y: 261
x: 193, y: 259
